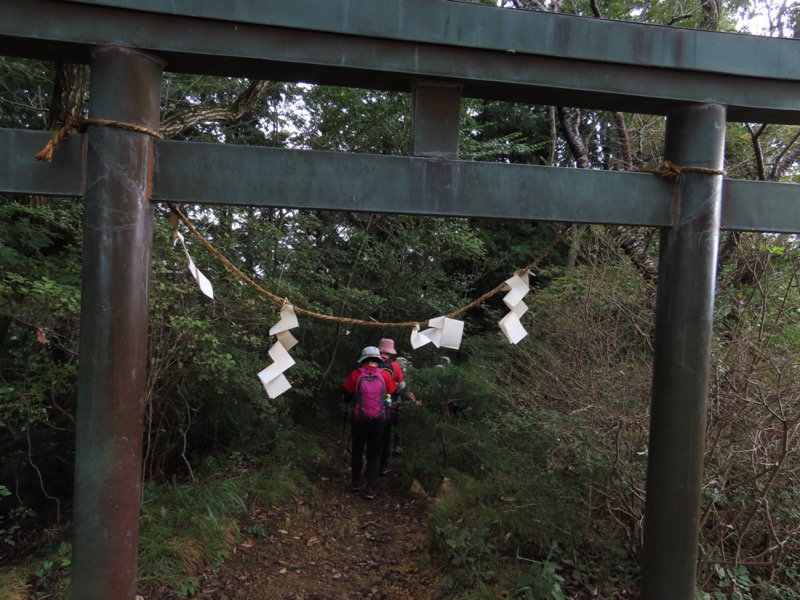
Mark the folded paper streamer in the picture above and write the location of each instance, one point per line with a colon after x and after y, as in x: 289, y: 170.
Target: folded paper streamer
x: 287, y: 321
x: 202, y: 280
x: 443, y: 332
x: 272, y: 377
x: 517, y: 287
x: 417, y: 339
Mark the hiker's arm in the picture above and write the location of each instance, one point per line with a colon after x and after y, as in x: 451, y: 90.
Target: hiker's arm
x: 349, y: 386
x: 391, y: 386
x: 399, y: 376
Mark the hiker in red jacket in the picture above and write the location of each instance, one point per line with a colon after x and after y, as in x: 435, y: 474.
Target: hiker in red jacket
x: 371, y: 389
x: 386, y: 348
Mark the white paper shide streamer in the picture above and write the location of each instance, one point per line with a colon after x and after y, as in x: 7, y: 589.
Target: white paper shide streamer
x: 272, y: 377
x: 517, y: 287
x: 443, y: 332
x: 202, y: 280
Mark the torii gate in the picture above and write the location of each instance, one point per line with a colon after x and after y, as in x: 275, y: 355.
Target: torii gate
x: 440, y: 51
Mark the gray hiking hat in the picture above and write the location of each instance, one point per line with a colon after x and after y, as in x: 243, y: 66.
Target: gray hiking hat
x: 370, y: 352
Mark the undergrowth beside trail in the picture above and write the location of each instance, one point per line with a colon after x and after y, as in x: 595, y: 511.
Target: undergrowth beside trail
x: 517, y: 512
x: 184, y: 526
x: 194, y: 524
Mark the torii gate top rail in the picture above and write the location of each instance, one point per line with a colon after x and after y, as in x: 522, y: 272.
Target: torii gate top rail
x: 494, y: 53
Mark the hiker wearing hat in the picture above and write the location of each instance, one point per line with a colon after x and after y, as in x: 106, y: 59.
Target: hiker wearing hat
x: 370, y: 388
x: 388, y: 364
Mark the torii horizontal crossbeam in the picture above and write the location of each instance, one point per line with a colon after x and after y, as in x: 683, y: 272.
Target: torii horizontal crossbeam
x: 188, y: 172
x: 493, y: 53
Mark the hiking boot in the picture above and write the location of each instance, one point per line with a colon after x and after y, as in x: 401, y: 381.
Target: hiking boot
x: 386, y: 470
x: 398, y: 450
x: 370, y: 493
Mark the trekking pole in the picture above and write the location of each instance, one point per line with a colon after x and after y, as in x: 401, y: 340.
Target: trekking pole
x: 402, y: 425
x: 349, y: 437
x: 346, y: 449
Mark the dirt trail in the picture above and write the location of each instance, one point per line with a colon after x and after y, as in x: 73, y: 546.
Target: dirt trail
x: 331, y: 545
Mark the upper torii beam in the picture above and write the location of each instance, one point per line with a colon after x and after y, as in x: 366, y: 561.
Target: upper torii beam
x: 493, y: 53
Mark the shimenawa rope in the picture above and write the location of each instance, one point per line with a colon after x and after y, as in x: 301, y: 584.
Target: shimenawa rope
x: 278, y: 300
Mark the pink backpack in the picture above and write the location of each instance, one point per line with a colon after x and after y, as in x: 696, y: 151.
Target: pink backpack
x: 369, y: 396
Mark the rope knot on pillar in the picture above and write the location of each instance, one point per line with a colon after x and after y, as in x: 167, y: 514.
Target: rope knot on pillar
x: 80, y: 124
x: 673, y: 171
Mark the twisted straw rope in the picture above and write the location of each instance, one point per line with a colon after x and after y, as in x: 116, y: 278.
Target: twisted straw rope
x: 671, y: 171
x: 80, y: 124
x: 278, y: 300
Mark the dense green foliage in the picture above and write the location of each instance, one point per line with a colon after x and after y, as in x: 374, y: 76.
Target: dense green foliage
x: 541, y: 446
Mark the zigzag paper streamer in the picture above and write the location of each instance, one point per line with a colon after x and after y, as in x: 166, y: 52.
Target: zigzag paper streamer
x: 202, y: 280
x: 417, y: 339
x: 287, y: 321
x: 511, y: 325
x: 443, y: 332
x: 272, y: 377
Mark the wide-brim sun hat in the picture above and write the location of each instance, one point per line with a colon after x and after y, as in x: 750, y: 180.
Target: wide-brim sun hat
x: 386, y: 346
x: 370, y: 352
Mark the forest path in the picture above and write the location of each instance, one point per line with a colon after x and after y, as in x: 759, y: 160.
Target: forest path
x: 331, y: 544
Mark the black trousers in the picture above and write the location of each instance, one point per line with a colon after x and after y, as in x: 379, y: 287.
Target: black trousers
x: 367, y: 433
x: 388, y: 442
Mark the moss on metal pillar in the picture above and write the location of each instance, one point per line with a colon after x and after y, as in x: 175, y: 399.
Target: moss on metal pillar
x: 125, y: 87
x: 695, y: 139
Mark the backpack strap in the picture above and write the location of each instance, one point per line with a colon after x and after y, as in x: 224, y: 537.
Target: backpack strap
x: 389, y: 366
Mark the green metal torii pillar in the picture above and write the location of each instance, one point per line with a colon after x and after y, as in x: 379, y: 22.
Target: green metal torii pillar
x: 112, y: 379
x: 683, y: 327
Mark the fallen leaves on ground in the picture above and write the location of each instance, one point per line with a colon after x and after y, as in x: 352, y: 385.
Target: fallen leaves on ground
x: 330, y: 545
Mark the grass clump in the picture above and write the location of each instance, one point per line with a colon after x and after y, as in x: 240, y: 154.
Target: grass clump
x: 12, y: 586
x: 187, y: 525
x: 184, y: 525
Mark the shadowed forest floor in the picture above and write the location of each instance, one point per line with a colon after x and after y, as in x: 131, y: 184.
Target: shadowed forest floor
x: 329, y: 544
